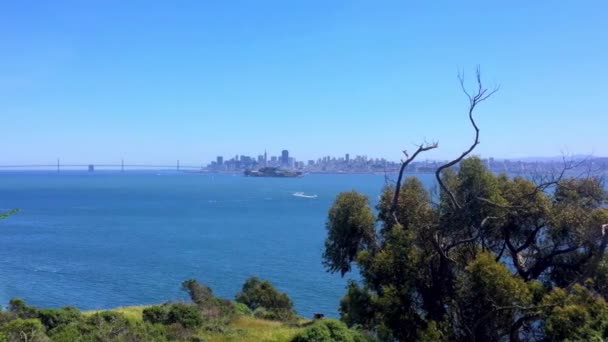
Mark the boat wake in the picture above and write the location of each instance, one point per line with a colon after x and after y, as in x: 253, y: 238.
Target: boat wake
x: 303, y: 195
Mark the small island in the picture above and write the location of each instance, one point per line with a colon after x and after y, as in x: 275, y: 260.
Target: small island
x: 272, y: 172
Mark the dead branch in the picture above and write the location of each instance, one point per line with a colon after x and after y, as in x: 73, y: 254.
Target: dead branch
x: 481, y: 95
x: 421, y: 148
x: 472, y: 238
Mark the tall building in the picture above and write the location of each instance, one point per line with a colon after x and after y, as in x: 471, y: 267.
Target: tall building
x: 285, y: 158
x: 347, y: 158
x: 220, y: 160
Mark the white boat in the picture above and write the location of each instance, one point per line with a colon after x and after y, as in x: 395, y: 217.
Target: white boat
x: 303, y: 195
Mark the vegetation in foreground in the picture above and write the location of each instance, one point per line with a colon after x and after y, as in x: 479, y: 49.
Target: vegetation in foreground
x: 259, y: 313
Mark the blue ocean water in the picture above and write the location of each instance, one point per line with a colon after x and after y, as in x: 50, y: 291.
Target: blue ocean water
x: 106, y: 239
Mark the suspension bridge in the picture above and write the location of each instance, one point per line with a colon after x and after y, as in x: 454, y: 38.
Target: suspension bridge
x: 122, y: 166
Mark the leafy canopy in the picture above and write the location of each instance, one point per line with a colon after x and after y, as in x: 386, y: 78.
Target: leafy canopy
x: 501, y: 258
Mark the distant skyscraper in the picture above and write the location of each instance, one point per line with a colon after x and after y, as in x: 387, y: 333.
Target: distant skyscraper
x: 347, y: 158
x: 265, y: 158
x: 285, y: 158
x: 220, y: 160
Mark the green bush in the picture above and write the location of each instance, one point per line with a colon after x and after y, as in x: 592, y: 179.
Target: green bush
x: 52, y: 318
x: 330, y: 330
x: 184, y: 314
x: 216, y: 312
x: 18, y: 307
x: 114, y: 326
x: 314, y: 333
x: 242, y: 309
x: 175, y: 313
x: 26, y: 330
x: 200, y: 294
x: 6, y: 317
x: 157, y: 314
x: 66, y: 333
x: 262, y: 297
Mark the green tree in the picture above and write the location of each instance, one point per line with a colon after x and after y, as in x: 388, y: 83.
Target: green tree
x: 350, y: 227
x: 487, y: 258
x: 217, y: 312
x: 265, y: 300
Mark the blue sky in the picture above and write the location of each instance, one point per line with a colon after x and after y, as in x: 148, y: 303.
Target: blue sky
x: 156, y: 81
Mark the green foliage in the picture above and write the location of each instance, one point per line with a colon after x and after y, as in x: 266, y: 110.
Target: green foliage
x: 200, y: 294
x: 157, y: 314
x: 431, y: 333
x: 186, y: 315
x: 265, y: 300
x: 505, y: 260
x: 485, y: 286
x: 357, y: 306
x: 67, y: 333
x: 330, y: 330
x: 216, y: 312
x: 52, y: 318
x: 24, y: 330
x: 18, y: 307
x: 578, y: 315
x: 350, y: 227
x: 113, y: 326
x: 242, y: 309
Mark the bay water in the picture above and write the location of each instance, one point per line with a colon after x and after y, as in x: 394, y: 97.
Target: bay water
x: 106, y: 239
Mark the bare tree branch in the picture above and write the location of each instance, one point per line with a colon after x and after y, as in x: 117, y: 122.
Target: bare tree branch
x: 421, y: 148
x: 481, y: 95
x: 473, y: 238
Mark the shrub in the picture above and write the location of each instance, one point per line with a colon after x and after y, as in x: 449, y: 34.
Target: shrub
x: 330, y: 330
x: 157, y: 314
x: 242, y: 309
x: 200, y: 294
x: 52, y: 318
x: 274, y: 315
x: 26, y: 330
x: 66, y: 333
x: 260, y: 294
x: 217, y: 312
x: 184, y: 314
x: 6, y: 317
x: 175, y: 313
x: 114, y: 326
x: 314, y: 333
x: 18, y: 307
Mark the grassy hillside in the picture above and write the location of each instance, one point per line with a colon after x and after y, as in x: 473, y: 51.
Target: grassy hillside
x: 244, y: 328
x: 259, y: 313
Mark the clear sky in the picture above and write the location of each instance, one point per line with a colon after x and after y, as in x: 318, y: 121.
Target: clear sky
x: 156, y: 81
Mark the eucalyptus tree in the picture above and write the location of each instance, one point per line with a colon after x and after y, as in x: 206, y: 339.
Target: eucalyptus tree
x: 487, y: 258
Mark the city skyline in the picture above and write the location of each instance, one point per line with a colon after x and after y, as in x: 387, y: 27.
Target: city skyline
x: 345, y: 163
x: 277, y: 153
